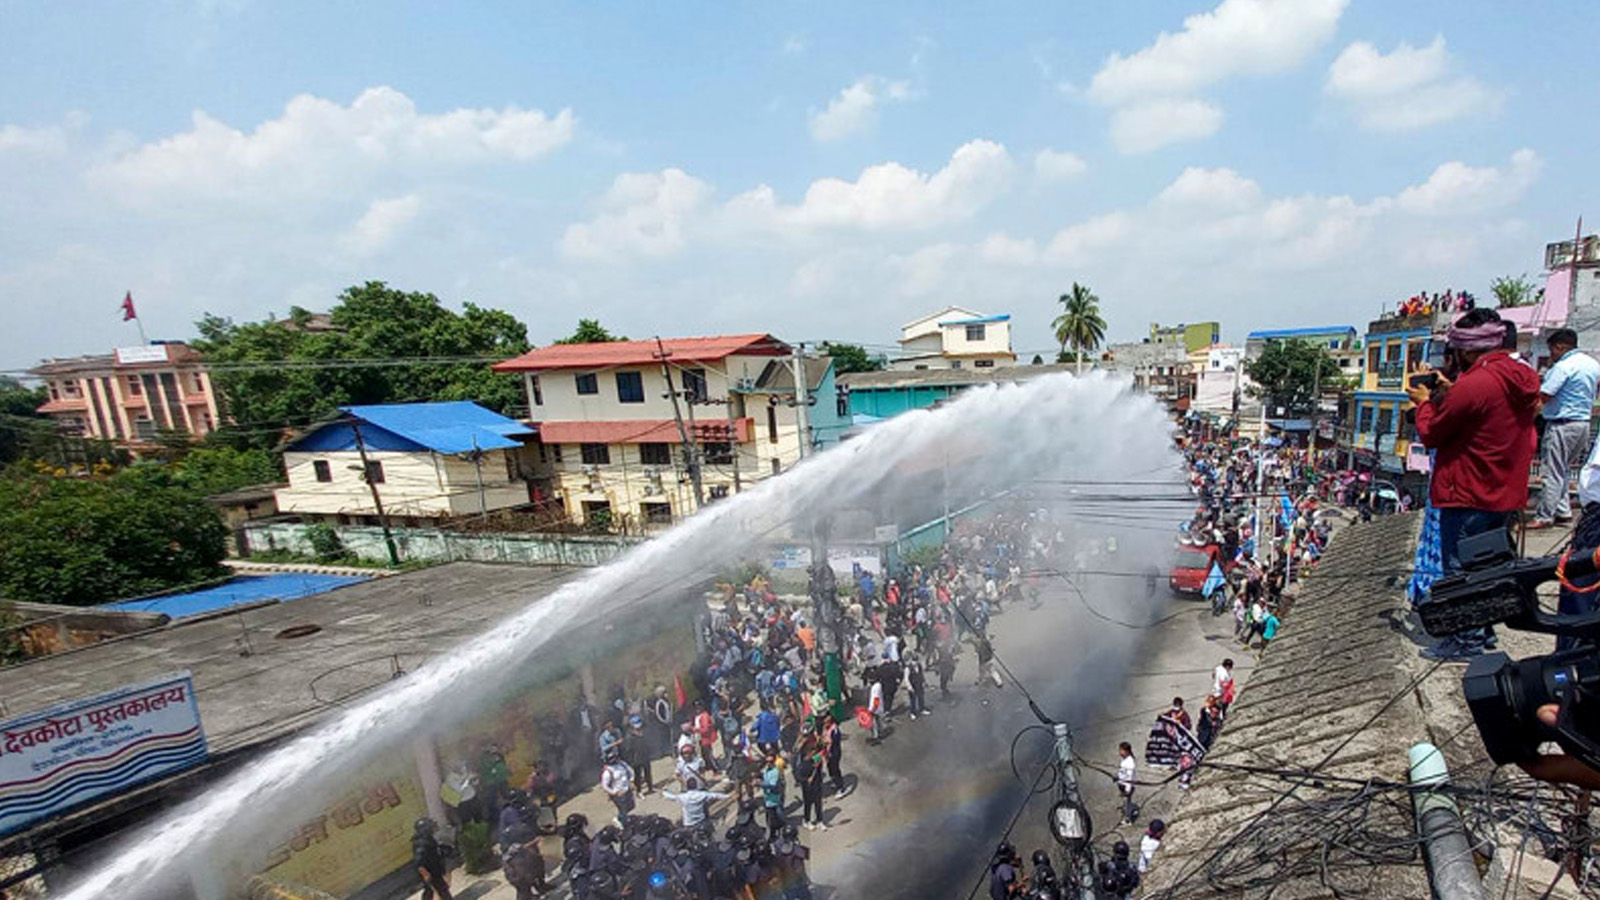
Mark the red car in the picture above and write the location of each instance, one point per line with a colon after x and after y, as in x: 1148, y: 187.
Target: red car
x: 1192, y: 566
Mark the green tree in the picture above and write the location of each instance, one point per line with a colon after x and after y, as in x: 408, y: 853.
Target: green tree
x: 1291, y: 374
x: 1508, y: 291
x: 87, y: 540
x: 1079, y: 324
x: 590, y: 331
x: 852, y: 358
x: 21, y: 426
x: 282, y: 373
x: 216, y: 470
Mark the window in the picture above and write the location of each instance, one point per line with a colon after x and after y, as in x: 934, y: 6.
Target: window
x: 841, y: 401
x: 595, y: 454
x: 1385, y: 420
x: 630, y: 387
x: 955, y: 363
x: 694, y: 385
x: 1333, y: 344
x: 975, y: 333
x: 535, y: 390
x: 655, y: 454
x: 70, y: 388
x: 772, y: 423
x: 144, y: 428
x: 374, y: 472
x: 555, y: 453
x: 656, y: 513
x: 134, y: 389
x: 588, y: 383
x: 1364, y: 420
x: 717, y: 492
x: 983, y: 364
x: 718, y: 454
x: 777, y: 466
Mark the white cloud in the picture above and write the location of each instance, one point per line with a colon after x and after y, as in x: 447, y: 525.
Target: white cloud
x: 1410, y: 88
x: 644, y: 213
x: 319, y: 145
x: 1153, y: 124
x: 24, y: 139
x: 382, y: 221
x: 1238, y: 37
x: 794, y: 45
x: 855, y: 109
x: 1054, y: 166
x: 923, y: 272
x: 1077, y: 243
x: 889, y: 195
x: 1007, y: 250
x: 1211, y: 189
x: 1456, y: 188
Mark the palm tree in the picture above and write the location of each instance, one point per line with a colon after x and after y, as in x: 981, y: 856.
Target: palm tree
x: 1079, y: 323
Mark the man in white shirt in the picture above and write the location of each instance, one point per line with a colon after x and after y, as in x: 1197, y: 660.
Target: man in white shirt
x: 875, y: 706
x: 694, y: 801
x: 1567, y: 392
x: 1150, y: 843
x: 1222, y: 683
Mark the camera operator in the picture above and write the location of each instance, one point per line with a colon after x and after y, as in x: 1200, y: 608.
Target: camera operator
x: 1568, y: 397
x: 1477, y: 415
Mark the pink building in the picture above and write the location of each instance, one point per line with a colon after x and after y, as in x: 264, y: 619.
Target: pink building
x: 131, y: 394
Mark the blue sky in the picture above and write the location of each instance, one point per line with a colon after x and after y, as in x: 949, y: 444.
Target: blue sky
x: 818, y: 170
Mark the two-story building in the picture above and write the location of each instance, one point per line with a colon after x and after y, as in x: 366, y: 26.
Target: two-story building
x: 130, y: 395
x: 426, y: 463
x: 618, y: 446
x: 1382, y: 433
x: 954, y: 338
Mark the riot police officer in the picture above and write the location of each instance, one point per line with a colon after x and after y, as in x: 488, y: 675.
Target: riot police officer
x: 1118, y: 876
x: 428, y: 860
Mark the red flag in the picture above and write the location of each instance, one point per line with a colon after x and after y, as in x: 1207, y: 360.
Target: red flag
x: 682, y: 696
x: 127, y: 308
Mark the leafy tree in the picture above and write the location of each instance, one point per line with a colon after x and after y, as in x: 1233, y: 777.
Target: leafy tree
x: 21, y: 426
x: 216, y: 470
x: 1287, y: 374
x: 86, y: 540
x: 1508, y: 291
x: 590, y: 331
x: 278, y: 374
x: 852, y: 358
x: 1079, y: 324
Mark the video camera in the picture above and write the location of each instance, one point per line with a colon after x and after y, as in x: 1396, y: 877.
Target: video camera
x: 1494, y: 587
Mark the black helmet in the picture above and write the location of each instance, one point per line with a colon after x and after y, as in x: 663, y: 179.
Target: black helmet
x: 1157, y: 827
x: 792, y: 832
x: 1119, y: 850
x: 1005, y: 850
x: 425, y: 825
x: 1041, y: 858
x: 577, y: 822
x: 608, y: 835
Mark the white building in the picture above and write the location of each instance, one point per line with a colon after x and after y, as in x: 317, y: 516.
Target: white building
x: 954, y: 338
x: 610, y: 434
x: 427, y: 461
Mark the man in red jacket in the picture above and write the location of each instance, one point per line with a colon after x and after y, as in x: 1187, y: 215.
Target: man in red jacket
x: 1480, y: 427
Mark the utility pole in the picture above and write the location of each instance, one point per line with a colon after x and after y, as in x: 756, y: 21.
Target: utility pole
x: 733, y: 440
x: 691, y: 451
x: 1572, y: 278
x: 377, y: 502
x: 802, y: 419
x: 1316, y: 408
x: 477, y: 466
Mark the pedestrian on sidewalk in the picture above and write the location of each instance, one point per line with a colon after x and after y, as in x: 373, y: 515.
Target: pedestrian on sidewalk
x: 947, y: 669
x: 808, y: 764
x: 1150, y: 843
x: 917, y: 685
x: 833, y: 750
x: 1567, y: 394
x: 1127, y: 777
x: 705, y: 729
x: 636, y: 751
x: 616, y: 779
x: 1222, y: 684
x: 772, y: 795
x: 875, y: 703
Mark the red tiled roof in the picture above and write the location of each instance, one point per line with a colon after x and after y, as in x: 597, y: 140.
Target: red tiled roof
x: 635, y: 353
x: 66, y: 404
x: 638, y: 431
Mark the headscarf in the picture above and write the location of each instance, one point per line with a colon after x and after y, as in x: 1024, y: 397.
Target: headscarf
x: 1487, y: 336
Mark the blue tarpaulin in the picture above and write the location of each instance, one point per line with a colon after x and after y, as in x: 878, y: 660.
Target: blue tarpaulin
x: 238, y: 591
x: 455, y: 427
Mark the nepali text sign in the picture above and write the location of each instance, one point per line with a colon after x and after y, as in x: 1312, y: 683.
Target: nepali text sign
x: 67, y: 755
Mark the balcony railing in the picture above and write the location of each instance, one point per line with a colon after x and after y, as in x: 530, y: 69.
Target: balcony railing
x: 1390, y: 373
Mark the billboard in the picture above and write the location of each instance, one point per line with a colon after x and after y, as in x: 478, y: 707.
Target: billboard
x: 153, y: 353
x: 67, y: 755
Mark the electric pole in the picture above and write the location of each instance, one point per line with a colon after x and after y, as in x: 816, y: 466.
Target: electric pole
x: 802, y: 419
x: 377, y: 502
x: 690, y: 450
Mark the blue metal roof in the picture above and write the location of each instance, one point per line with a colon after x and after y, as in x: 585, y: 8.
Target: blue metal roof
x: 1301, y: 332
x: 243, y: 589
x: 980, y: 320
x: 453, y: 427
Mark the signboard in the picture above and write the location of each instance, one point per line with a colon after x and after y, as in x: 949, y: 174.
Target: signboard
x: 70, y: 754
x: 1417, y: 458
x: 152, y: 353
x: 886, y: 534
x: 790, y: 557
x: 841, y: 558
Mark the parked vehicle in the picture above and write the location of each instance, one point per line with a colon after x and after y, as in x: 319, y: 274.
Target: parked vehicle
x: 1192, y: 566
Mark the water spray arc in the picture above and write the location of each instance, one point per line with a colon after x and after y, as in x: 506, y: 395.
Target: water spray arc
x: 997, y: 438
